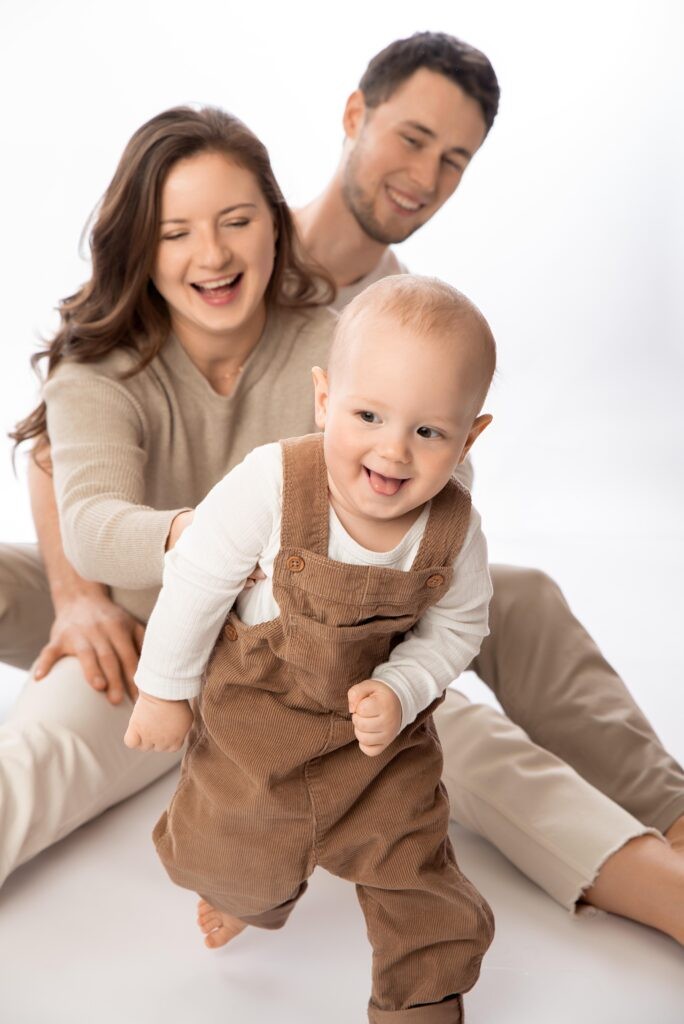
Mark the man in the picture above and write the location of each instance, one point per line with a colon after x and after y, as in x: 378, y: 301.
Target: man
x: 423, y: 108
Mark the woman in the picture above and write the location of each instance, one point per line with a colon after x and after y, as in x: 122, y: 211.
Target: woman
x: 190, y: 345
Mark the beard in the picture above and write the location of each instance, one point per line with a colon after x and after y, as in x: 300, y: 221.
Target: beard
x: 361, y: 207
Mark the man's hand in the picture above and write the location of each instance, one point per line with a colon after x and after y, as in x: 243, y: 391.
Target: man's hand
x: 158, y: 724
x: 105, y: 639
x: 376, y: 715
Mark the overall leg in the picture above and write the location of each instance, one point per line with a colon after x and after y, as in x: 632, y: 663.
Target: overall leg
x: 427, y: 943
x: 238, y: 830
x: 544, y: 817
x: 552, y: 680
x: 382, y: 823
x: 63, y: 761
x: 26, y: 611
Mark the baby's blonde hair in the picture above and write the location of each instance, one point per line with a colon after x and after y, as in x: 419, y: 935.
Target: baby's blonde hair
x: 426, y: 305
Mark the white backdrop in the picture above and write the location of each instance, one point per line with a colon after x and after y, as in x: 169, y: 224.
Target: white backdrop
x: 567, y: 229
x: 568, y: 232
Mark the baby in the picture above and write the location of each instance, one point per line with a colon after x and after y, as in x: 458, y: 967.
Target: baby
x: 312, y: 741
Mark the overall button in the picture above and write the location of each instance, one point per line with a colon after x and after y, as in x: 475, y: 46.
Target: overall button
x: 434, y: 581
x: 295, y: 563
x: 230, y: 632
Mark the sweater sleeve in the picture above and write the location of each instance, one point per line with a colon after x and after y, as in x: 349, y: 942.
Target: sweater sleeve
x: 96, y: 431
x: 205, y: 572
x: 449, y: 634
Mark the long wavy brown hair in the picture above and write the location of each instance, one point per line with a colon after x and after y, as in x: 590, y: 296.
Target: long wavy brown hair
x: 119, y: 305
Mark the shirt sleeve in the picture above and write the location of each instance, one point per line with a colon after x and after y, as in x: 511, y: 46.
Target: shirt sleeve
x: 449, y: 634
x: 205, y: 572
x: 96, y: 430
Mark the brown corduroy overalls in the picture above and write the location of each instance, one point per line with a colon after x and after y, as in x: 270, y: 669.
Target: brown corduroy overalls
x: 274, y: 783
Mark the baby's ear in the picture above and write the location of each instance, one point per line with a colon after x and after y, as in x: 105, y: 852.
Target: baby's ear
x: 480, y: 424
x: 320, y: 379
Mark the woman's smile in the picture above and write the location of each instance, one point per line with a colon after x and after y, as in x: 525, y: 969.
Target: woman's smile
x: 221, y: 291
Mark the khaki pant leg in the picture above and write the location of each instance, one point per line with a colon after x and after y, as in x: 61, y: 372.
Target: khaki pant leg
x: 544, y: 817
x: 26, y: 611
x: 63, y: 761
x: 552, y: 680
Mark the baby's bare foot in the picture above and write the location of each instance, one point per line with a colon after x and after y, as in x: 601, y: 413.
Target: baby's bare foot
x: 218, y: 927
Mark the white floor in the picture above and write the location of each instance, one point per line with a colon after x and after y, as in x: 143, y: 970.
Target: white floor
x: 568, y: 233
x: 92, y: 931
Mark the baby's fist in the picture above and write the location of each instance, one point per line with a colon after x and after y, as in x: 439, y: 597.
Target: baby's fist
x: 376, y: 715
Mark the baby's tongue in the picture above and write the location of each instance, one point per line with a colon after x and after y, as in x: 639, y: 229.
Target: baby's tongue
x: 383, y: 484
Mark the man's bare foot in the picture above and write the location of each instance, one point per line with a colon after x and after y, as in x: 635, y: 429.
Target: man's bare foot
x: 675, y: 835
x: 218, y: 927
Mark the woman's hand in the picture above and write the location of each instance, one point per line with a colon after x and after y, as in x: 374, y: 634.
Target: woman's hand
x: 105, y: 639
x: 178, y: 524
x: 376, y: 715
x: 254, y: 577
x: 158, y: 724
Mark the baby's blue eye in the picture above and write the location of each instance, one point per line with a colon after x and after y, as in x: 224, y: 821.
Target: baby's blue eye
x: 367, y: 416
x: 428, y: 432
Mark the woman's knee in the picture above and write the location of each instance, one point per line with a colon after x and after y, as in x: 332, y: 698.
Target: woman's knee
x: 64, y: 699
x: 26, y: 611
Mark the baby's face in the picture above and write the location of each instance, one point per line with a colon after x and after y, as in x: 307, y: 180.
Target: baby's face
x: 399, y: 414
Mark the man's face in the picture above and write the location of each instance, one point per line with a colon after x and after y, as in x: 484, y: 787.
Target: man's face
x: 405, y: 157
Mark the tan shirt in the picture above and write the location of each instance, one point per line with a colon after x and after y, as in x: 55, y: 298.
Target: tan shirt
x: 387, y: 265
x: 128, y: 455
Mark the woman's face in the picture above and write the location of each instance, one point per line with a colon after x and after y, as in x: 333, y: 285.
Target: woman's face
x: 216, y: 248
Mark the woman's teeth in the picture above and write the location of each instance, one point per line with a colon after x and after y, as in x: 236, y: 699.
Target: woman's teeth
x: 212, y: 286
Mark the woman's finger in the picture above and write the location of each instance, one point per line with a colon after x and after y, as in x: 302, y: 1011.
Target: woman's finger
x: 90, y: 666
x: 138, y: 635
x: 48, y: 657
x: 122, y: 640
x: 111, y: 670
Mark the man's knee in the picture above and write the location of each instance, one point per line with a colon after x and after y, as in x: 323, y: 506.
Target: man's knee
x: 465, y: 730
x: 523, y: 591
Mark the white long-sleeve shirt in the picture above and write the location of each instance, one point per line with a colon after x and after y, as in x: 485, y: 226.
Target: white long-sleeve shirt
x: 237, y: 526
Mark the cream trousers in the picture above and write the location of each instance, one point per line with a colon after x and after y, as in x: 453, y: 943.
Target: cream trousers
x: 62, y: 758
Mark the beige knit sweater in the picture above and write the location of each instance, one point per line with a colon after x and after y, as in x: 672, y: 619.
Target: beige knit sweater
x: 128, y: 455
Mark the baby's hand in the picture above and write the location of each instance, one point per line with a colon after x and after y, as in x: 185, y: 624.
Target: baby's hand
x: 376, y: 715
x: 158, y: 724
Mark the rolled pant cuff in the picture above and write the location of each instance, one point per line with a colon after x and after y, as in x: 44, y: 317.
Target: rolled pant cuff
x: 449, y: 1011
x: 275, y: 918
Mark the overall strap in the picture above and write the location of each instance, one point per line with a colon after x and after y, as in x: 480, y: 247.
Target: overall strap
x: 305, y: 494
x: 446, y: 528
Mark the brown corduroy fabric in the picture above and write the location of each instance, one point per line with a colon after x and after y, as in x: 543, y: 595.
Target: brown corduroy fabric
x: 274, y: 782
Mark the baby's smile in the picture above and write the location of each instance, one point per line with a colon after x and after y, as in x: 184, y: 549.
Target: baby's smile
x: 386, y: 485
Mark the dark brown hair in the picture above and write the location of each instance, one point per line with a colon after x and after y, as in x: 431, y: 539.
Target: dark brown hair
x: 436, y: 51
x: 119, y: 305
